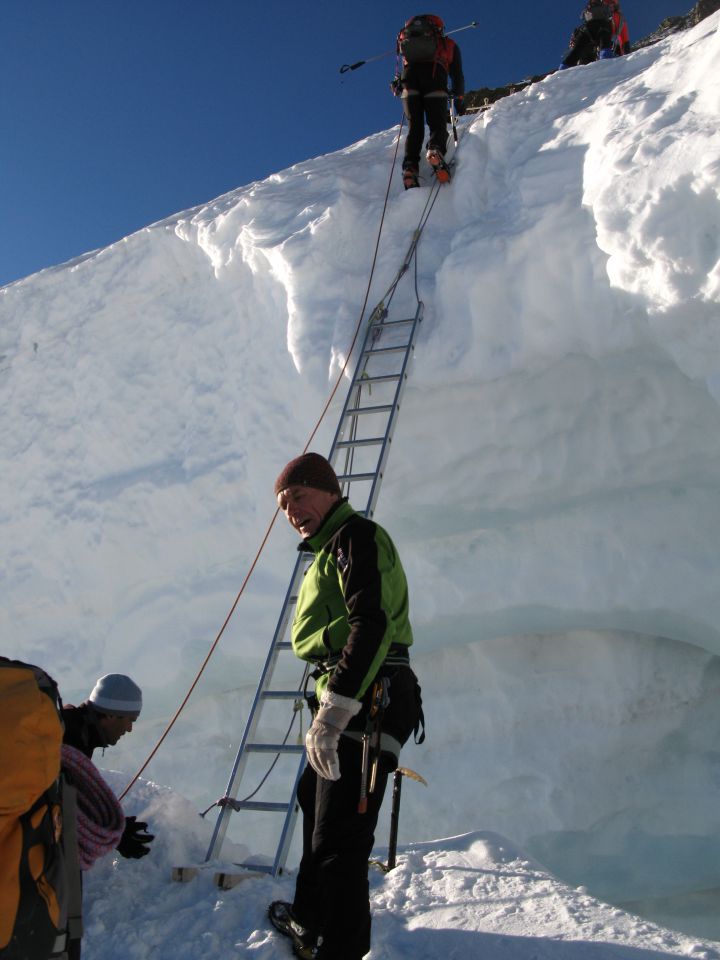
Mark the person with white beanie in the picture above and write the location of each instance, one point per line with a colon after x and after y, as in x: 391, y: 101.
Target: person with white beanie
x: 108, y: 714
x: 98, y: 722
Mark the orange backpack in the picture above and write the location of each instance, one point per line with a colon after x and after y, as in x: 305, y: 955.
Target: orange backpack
x: 34, y: 880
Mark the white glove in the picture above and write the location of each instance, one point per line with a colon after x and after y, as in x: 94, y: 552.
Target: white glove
x: 321, y: 741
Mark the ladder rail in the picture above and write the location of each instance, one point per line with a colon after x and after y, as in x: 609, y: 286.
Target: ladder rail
x: 253, y: 718
x: 289, y: 825
x: 399, y: 389
x: 351, y: 411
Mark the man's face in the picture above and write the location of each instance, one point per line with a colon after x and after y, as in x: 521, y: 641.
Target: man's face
x: 305, y: 507
x: 113, y: 727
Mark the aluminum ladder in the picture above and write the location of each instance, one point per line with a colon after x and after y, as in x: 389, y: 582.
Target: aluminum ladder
x: 358, y: 454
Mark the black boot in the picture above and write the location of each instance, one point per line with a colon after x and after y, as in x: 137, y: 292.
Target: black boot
x: 303, y: 940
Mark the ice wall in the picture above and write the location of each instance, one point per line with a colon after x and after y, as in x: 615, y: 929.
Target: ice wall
x: 553, y: 484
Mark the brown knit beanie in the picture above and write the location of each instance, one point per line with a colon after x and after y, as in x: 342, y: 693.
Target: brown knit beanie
x: 309, y: 470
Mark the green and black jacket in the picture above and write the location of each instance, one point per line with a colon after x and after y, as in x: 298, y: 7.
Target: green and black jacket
x: 351, y: 617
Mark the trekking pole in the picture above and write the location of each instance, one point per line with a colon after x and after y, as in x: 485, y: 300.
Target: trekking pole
x: 468, y: 26
x: 453, y: 120
x: 347, y: 67
x: 395, y: 810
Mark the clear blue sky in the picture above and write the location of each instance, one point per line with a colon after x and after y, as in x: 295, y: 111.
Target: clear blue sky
x: 116, y: 114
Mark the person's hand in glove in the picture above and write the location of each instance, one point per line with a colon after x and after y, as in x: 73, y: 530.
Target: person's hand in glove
x: 135, y: 841
x: 460, y: 106
x: 321, y: 741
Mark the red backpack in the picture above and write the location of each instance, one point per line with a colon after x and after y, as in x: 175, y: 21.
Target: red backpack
x: 422, y: 40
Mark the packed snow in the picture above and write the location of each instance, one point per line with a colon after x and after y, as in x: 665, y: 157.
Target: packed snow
x: 552, y: 487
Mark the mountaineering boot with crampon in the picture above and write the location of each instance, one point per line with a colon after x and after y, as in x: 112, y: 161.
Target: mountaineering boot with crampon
x: 281, y: 917
x: 410, y: 175
x: 440, y: 168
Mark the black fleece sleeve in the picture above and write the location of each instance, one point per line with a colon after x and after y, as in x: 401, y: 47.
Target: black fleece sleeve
x: 361, y: 579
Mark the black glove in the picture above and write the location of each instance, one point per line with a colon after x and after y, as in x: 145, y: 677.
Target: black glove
x: 135, y: 841
x: 396, y: 86
x: 460, y: 106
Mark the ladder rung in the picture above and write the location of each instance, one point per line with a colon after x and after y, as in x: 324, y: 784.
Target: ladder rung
x: 274, y: 747
x: 380, y: 378
x: 283, y: 645
x: 264, y: 806
x: 282, y: 694
x: 367, y: 442
x: 390, y: 323
x: 352, y: 477
x: 403, y: 348
x: 379, y: 408
x: 257, y: 867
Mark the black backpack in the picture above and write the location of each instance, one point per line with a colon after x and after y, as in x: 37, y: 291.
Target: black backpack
x: 39, y: 873
x: 420, y: 40
x: 597, y: 10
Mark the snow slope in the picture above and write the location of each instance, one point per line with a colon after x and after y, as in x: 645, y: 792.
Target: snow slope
x: 553, y: 489
x: 470, y: 896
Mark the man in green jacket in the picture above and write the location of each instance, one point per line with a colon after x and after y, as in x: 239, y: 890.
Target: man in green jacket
x: 351, y: 623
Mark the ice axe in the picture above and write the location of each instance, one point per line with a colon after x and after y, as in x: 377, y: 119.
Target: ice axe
x: 400, y: 772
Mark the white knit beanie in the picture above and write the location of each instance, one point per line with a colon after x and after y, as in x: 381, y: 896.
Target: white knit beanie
x: 116, y: 694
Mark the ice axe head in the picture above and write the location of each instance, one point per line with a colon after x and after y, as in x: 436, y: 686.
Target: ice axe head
x: 411, y: 774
